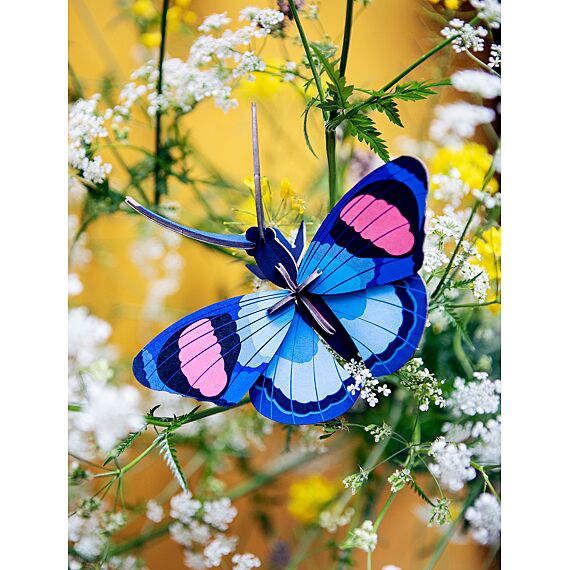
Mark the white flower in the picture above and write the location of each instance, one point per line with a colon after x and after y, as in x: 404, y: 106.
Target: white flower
x: 488, y: 449
x: 111, y: 413
x: 484, y: 518
x: 465, y: 36
x: 214, y: 22
x: 265, y: 18
x: 245, y: 561
x: 490, y: 11
x: 434, y: 258
x: 356, y: 480
x: 195, y: 560
x: 457, y: 121
x: 452, y: 464
x: 219, y: 513
x: 480, y: 82
x: 86, y: 335
x: 365, y: 383
x: 363, y: 537
x: 398, y: 479
x: 154, y: 512
x: 424, y: 386
x: 247, y: 64
x: 495, y: 56
x: 331, y: 520
x: 183, y: 507
x: 391, y: 567
x: 218, y: 548
x: 480, y: 284
x: 74, y: 285
x: 480, y: 396
x: 440, y: 514
x: 379, y: 433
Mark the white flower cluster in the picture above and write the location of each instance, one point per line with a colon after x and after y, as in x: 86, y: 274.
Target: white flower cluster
x: 356, y: 480
x: 452, y: 465
x: 450, y: 188
x: 480, y: 284
x: 87, y: 337
x: 480, y: 396
x: 465, y: 36
x: 215, y: 64
x: 423, y: 385
x: 490, y: 11
x: 495, y: 56
x: 202, y: 524
x: 484, y: 519
x: 364, y: 537
x: 454, y: 123
x: 479, y: 82
x: 379, y: 433
x: 332, y: 520
x: 399, y: 479
x: 85, y: 128
x: 154, y: 512
x: 440, y: 514
x: 364, y: 382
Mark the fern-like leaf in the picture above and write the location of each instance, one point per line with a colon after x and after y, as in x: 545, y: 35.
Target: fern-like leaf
x: 420, y: 492
x: 363, y: 128
x: 170, y: 454
x: 121, y: 447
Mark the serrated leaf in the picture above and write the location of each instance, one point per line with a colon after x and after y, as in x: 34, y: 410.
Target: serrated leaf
x: 168, y: 451
x: 363, y: 128
x: 390, y: 109
x: 126, y: 443
x: 417, y: 90
x: 420, y: 492
x: 340, y: 89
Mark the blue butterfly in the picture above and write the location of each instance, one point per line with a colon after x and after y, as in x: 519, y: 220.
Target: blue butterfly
x: 356, y: 288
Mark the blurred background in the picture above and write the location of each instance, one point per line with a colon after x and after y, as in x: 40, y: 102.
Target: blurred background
x: 140, y: 284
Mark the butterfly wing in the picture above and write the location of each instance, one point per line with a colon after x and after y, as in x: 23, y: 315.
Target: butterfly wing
x: 217, y: 353
x: 375, y: 234
x: 303, y: 384
x: 385, y: 322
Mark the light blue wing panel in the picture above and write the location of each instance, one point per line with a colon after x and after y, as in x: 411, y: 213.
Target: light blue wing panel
x: 386, y: 322
x: 374, y: 235
x: 303, y: 383
x: 217, y: 353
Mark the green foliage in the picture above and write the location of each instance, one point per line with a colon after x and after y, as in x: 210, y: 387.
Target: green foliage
x: 125, y: 444
x: 170, y: 454
x: 420, y: 492
x: 363, y: 128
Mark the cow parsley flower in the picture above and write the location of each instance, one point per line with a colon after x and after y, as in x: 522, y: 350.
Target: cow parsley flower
x: 452, y: 464
x: 245, y: 561
x: 356, y: 480
x: 219, y: 547
x: 154, y: 512
x: 111, y: 413
x: 247, y: 64
x: 465, y: 36
x: 219, y: 513
x: 490, y: 11
x: 484, y: 518
x: 399, y: 479
x: 265, y: 18
x: 480, y: 396
x: 183, y: 507
x: 480, y: 283
x: 423, y: 385
x: 332, y: 520
x: 488, y: 449
x: 440, y: 514
x: 214, y: 22
x: 479, y: 82
x: 379, y: 433
x: 495, y: 56
x: 456, y: 122
x: 364, y: 537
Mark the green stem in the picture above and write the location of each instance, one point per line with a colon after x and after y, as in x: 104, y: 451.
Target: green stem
x: 383, y: 511
x: 158, y: 181
x: 346, y: 38
x: 330, y: 139
x: 488, y: 483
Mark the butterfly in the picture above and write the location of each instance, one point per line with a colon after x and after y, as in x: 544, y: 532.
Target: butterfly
x: 355, y: 290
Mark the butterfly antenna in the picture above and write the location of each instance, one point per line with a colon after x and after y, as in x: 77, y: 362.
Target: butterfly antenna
x: 257, y: 174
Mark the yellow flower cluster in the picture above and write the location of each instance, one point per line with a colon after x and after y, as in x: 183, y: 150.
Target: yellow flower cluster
x: 472, y: 160
x: 449, y: 4
x: 309, y: 496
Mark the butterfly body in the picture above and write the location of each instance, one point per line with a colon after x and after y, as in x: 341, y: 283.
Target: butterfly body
x: 354, y: 294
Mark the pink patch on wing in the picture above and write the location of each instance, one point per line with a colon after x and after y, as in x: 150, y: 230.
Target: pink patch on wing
x: 379, y: 222
x: 201, y: 358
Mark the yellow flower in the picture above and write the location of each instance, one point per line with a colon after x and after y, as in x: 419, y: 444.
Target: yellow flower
x: 309, y: 496
x: 173, y: 18
x: 182, y: 3
x: 298, y: 205
x: 449, y: 4
x: 144, y: 9
x: 151, y: 39
x: 490, y: 249
x: 264, y: 84
x: 286, y: 189
x: 265, y: 189
x: 190, y: 18
x: 472, y: 160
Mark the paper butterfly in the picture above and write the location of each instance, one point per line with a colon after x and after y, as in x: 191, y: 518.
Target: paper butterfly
x: 356, y: 288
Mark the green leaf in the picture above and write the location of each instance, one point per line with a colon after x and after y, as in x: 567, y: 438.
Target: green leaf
x: 168, y: 451
x: 416, y: 90
x: 362, y: 127
x: 457, y: 320
x: 126, y: 443
x: 341, y: 91
x: 390, y: 109
x: 311, y: 102
x: 420, y: 492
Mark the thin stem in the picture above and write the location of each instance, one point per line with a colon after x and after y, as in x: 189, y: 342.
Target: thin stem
x: 158, y: 181
x: 377, y: 524
x: 488, y: 483
x: 330, y: 140
x: 482, y: 64
x: 346, y: 37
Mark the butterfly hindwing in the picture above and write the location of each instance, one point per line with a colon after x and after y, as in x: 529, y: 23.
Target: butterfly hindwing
x: 217, y: 353
x: 386, y: 322
x: 303, y: 384
x: 375, y: 234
